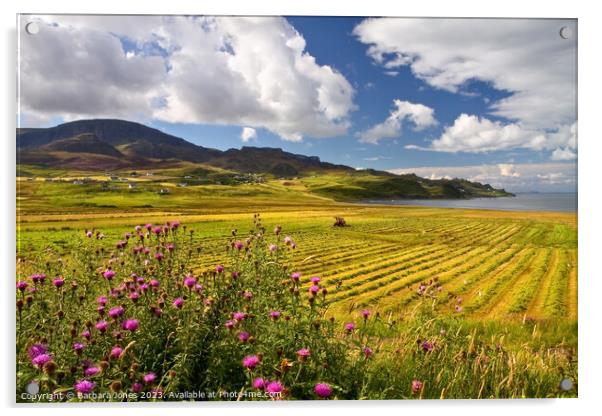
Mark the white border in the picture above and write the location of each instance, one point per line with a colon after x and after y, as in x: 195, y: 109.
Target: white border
x: 590, y: 293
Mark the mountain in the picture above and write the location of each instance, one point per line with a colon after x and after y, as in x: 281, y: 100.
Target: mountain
x: 106, y: 144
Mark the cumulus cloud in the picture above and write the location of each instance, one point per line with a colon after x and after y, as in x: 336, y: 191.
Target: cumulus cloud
x: 551, y: 177
x: 524, y: 57
x: 248, y: 134
x: 222, y: 70
x: 563, y: 154
x: 419, y: 115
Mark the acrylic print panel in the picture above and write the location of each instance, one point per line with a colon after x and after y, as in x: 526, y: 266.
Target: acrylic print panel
x: 295, y: 208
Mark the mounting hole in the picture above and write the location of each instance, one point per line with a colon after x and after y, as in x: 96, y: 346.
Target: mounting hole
x: 566, y: 384
x: 566, y: 32
x: 32, y: 28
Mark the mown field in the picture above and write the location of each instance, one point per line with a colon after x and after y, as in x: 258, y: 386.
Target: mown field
x: 508, y: 276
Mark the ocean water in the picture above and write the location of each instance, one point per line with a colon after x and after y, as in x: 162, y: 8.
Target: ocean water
x: 565, y: 202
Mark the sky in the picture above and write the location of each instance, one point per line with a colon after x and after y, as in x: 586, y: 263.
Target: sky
x: 491, y: 100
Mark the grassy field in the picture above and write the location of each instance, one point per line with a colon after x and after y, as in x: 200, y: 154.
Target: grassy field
x: 510, y: 277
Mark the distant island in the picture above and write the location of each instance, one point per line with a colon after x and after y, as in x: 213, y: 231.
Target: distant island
x: 122, y: 147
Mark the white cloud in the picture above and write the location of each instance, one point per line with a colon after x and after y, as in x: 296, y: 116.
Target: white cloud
x: 248, y: 134
x: 526, y: 57
x: 223, y: 70
x: 513, y: 177
x: 419, y: 115
x: 563, y: 154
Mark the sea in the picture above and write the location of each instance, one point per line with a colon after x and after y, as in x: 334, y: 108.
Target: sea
x: 563, y: 202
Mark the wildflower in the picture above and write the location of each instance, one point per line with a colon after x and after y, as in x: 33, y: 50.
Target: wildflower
x: 86, y: 334
x: 277, y: 229
x: 134, y: 296
x: 170, y: 247
x: 37, y: 349
x: 368, y: 352
x: 427, y: 346
x: 154, y: 283
x: 89, y: 234
x: 101, y: 326
x: 303, y: 353
x: 275, y: 315
x: 274, y: 387
x: 238, y: 245
x: 189, y: 281
x: 416, y: 386
x: 21, y: 286
x: 136, y: 387
x: 288, y: 240
x: 458, y: 308
x: 159, y: 255
x: 38, y: 278
x: 108, y: 274
x: 58, y: 282
x: 235, y: 275
x: 272, y: 248
x: 296, y: 276
x: 219, y: 268
x: 323, y: 390
x: 116, y: 352
x: 131, y: 325
x: 250, y: 361
x: 313, y: 290
x: 349, y: 327
x: 116, y: 312
x: 138, y: 228
x: 149, y: 378
x: 366, y: 313
x: 248, y: 295
x: 315, y: 280
x: 243, y: 336
x: 230, y: 324
x: 91, y: 371
x: 178, y: 303
x: 102, y: 300
x: 78, y: 347
x: 41, y: 359
x: 157, y: 230
x: 258, y: 383
x: 84, y: 386
x: 239, y: 316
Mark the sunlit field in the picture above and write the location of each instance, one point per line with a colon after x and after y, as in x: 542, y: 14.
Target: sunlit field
x: 402, y: 302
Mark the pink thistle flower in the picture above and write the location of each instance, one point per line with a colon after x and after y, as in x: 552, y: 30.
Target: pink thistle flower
x: 154, y: 283
x: 427, y: 346
x: 248, y: 295
x: 89, y: 234
x: 273, y: 248
x: 243, y: 336
x: 230, y: 324
x: 274, y: 387
x: 131, y: 325
x: 41, y: 359
x: 91, y: 371
x: 108, y: 274
x: 458, y: 308
x: 366, y: 313
x: 258, y: 383
x: 157, y: 230
x: 102, y: 300
x: 349, y: 327
x: 239, y: 316
x: 235, y: 275
x: 323, y: 390
x: 148, y: 226
x: 136, y: 387
x: 159, y: 255
x: 178, y: 303
x: 138, y: 228
x: 116, y: 352
x: 78, y: 347
x: 58, y: 282
x: 170, y: 247
x: 296, y: 276
x: 149, y: 378
x: 303, y: 353
x: 189, y: 281
x: 102, y: 326
x: 238, y: 245
x: 288, y: 240
x: 368, y: 352
x: 313, y: 290
x: 275, y: 315
x: 21, y: 285
x: 250, y: 362
x: 219, y: 268
x: 134, y: 296
x: 416, y: 386
x: 37, y: 349
x: 116, y: 312
x: 86, y: 334
x: 315, y: 280
x: 84, y: 386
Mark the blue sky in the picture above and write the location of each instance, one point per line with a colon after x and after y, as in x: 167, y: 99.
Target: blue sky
x: 491, y: 100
